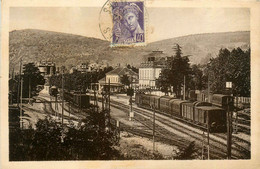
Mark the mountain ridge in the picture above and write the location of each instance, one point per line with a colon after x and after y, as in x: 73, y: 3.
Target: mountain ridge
x: 68, y: 49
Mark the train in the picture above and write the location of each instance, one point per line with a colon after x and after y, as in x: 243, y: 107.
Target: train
x: 202, y: 114
x: 76, y: 98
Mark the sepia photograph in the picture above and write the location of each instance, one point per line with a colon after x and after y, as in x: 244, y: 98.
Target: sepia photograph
x: 129, y: 81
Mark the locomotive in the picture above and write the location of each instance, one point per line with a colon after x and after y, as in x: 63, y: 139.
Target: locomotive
x: 202, y: 114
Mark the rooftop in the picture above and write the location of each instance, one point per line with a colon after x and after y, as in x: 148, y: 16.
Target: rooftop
x: 122, y: 71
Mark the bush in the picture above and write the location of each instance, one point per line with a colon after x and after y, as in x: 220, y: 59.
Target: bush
x: 50, y: 141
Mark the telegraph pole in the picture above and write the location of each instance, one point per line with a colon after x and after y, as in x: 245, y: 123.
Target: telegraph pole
x: 229, y: 124
x: 229, y: 134
x: 21, y: 105
x: 208, y: 133
x: 19, y: 86
x: 184, y: 89
x: 62, y: 110
x: 29, y: 90
x: 153, y: 129
x: 109, y: 100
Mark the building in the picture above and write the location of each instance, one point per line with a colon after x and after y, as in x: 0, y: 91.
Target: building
x: 47, y: 68
x: 114, y: 77
x: 150, y: 70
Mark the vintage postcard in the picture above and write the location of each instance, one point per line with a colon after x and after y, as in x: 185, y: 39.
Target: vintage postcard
x: 130, y: 84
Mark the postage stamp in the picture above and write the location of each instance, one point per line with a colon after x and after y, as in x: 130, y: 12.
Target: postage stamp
x: 123, y: 22
x: 128, y: 23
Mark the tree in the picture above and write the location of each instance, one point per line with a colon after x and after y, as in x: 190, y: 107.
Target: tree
x: 136, y: 70
x: 31, y: 77
x: 163, y: 82
x: 125, y: 80
x: 91, y: 139
x: 187, y: 153
x: 231, y: 66
x: 196, y: 80
x: 178, y: 68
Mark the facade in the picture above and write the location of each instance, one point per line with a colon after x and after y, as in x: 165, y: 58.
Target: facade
x: 150, y: 70
x: 47, y: 68
x: 114, y: 77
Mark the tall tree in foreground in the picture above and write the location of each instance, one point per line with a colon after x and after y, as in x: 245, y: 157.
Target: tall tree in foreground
x: 177, y: 69
x: 231, y: 66
x: 31, y: 78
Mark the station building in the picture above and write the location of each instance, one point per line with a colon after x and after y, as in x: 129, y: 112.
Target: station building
x: 115, y: 76
x: 150, y: 70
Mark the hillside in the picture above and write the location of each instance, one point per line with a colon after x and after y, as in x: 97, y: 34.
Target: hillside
x: 68, y: 49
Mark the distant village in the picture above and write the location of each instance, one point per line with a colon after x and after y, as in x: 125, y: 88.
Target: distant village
x: 148, y: 72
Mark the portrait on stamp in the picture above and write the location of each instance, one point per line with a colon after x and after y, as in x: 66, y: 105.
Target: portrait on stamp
x: 128, y: 22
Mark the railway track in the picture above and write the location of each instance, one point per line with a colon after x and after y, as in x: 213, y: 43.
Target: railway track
x: 217, y: 147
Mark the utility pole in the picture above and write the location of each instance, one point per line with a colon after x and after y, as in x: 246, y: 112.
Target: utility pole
x: 62, y: 110
x: 202, y: 150
x: 208, y: 133
x: 208, y: 89
x: 79, y: 100
x: 56, y: 107
x: 109, y: 101
x: 229, y: 132
x: 21, y: 105
x: 153, y: 129
x: 184, y: 89
x: 19, y: 86
x: 229, y: 123
x: 29, y: 90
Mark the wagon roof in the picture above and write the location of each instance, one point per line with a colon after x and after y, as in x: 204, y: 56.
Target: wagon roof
x: 167, y: 97
x: 155, y: 96
x: 203, y: 103
x: 221, y: 95
x: 173, y: 100
x: 180, y: 101
x: 209, y: 108
x: 190, y: 103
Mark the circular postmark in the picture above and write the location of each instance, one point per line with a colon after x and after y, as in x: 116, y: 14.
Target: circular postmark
x: 123, y: 22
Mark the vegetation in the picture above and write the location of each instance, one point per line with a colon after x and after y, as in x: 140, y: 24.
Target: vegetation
x: 231, y: 66
x: 92, y: 139
x: 31, y: 78
x: 187, y: 153
x: 125, y: 80
x: 78, y: 80
x: 136, y: 70
x: 173, y: 76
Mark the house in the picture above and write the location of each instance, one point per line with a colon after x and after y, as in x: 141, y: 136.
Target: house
x: 47, y: 68
x: 114, y: 78
x: 150, y: 70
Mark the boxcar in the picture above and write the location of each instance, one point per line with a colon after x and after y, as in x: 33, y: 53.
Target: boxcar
x: 222, y: 101
x: 81, y: 100
x: 154, y: 102
x: 165, y: 104
x: 176, y: 107
x: 137, y: 98
x: 188, y: 110
x: 216, y: 117
x: 146, y: 99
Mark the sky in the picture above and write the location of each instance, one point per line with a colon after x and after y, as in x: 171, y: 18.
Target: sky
x: 162, y: 23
